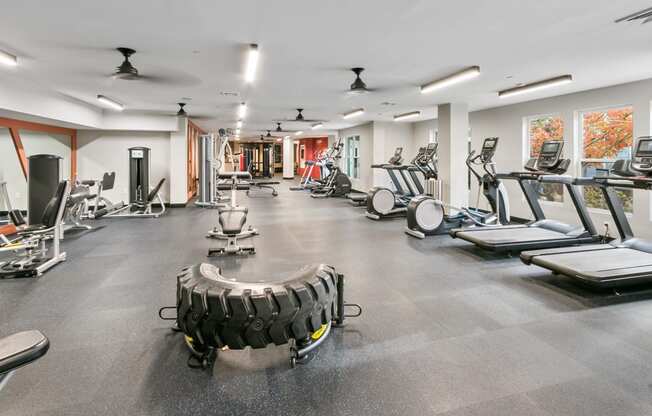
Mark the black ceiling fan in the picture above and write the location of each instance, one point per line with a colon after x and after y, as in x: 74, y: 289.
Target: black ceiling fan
x: 299, y: 118
x: 358, y: 86
x: 182, y: 112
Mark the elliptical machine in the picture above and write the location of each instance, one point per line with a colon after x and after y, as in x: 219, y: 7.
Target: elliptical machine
x: 336, y: 184
x: 382, y: 202
x: 426, y: 214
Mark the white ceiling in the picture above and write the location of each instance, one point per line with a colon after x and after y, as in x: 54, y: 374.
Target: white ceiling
x: 198, y: 49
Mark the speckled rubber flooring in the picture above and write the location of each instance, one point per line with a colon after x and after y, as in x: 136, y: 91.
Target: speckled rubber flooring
x: 446, y: 329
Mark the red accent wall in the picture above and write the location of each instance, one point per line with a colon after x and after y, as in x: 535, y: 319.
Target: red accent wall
x: 312, y: 146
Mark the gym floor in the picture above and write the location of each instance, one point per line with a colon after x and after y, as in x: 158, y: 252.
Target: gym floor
x: 446, y: 329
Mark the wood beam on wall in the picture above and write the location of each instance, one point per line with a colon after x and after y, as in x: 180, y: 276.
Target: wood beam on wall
x: 15, y: 126
x: 20, y: 150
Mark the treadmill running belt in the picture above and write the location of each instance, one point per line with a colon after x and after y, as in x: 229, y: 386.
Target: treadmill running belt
x: 600, y: 268
x: 511, y: 235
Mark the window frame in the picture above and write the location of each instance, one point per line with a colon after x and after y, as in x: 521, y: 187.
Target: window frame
x: 350, y: 157
x: 579, y: 148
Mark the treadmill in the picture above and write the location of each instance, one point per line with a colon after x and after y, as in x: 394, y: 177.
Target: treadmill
x: 627, y: 262
x: 542, y: 232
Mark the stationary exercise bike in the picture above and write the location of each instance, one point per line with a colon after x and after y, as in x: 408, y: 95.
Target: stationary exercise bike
x: 426, y: 215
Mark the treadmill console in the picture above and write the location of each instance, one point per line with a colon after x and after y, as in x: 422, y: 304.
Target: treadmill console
x: 431, y: 152
x: 642, y: 159
x: 488, y: 148
x: 397, y: 158
x: 550, y: 154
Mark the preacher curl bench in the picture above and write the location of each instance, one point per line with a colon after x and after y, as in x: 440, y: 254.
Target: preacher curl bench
x: 232, y: 219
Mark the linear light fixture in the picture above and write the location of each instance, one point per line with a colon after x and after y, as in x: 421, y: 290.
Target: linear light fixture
x: 252, y: 63
x: 354, y: 113
x: 456, y: 78
x: 406, y: 116
x: 8, y: 59
x: 238, y: 125
x: 535, y: 86
x: 644, y: 15
x: 317, y: 126
x: 298, y: 133
x: 110, y: 103
x: 242, y: 110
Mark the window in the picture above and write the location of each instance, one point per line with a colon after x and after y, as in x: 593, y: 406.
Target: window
x: 353, y: 157
x: 540, y: 129
x: 607, y: 135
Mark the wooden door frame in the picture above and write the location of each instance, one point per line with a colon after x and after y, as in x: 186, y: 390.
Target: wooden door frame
x: 192, y: 139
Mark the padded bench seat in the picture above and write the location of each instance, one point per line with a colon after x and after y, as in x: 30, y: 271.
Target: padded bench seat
x: 232, y: 220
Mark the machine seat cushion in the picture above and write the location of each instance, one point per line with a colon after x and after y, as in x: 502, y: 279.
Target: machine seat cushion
x: 21, y: 349
x: 232, y: 221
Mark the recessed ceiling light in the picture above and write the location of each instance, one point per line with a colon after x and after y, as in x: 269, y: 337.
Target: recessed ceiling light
x: 279, y: 139
x: 461, y: 76
x: 536, y: 86
x: 353, y: 113
x: 298, y: 133
x: 110, y: 103
x: 252, y: 63
x: 387, y: 103
x: 238, y: 125
x: 406, y: 116
x: 8, y: 59
x: 242, y: 110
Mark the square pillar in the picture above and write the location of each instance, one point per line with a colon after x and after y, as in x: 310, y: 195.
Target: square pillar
x: 453, y: 128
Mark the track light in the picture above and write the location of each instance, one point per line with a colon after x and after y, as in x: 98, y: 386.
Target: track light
x: 317, y: 126
x: 111, y: 103
x: 535, y: 86
x: 8, y: 59
x: 242, y: 110
x: 238, y: 125
x: 298, y: 133
x: 252, y: 63
x: 449, y: 80
x: 406, y: 116
x: 354, y: 113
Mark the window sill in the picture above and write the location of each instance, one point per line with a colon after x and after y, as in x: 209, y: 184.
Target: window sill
x: 601, y: 211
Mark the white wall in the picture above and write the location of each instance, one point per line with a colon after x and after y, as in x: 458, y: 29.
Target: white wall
x: 34, y: 143
x: 507, y: 123
x: 106, y: 151
x: 422, y: 131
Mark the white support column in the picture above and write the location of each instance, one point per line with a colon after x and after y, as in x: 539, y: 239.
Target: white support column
x: 179, y: 163
x: 453, y: 122
x: 380, y: 177
x: 288, y: 158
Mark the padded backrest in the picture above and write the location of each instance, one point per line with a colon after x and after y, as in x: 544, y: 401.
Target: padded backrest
x: 108, y: 180
x: 52, y: 208
x: 152, y: 194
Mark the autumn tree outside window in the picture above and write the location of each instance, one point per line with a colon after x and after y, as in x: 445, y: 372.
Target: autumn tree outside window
x: 607, y: 135
x: 541, y: 129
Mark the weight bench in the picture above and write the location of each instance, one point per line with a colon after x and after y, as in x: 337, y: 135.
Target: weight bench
x: 271, y: 185
x: 18, y: 350
x: 232, y: 220
x: 141, y: 208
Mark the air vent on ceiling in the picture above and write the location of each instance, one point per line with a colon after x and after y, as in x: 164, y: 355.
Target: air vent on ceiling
x: 229, y: 94
x: 644, y: 15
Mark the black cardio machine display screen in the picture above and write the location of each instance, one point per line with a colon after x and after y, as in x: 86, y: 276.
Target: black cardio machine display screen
x: 644, y: 148
x: 550, y: 148
x: 398, y: 151
x: 489, y: 145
